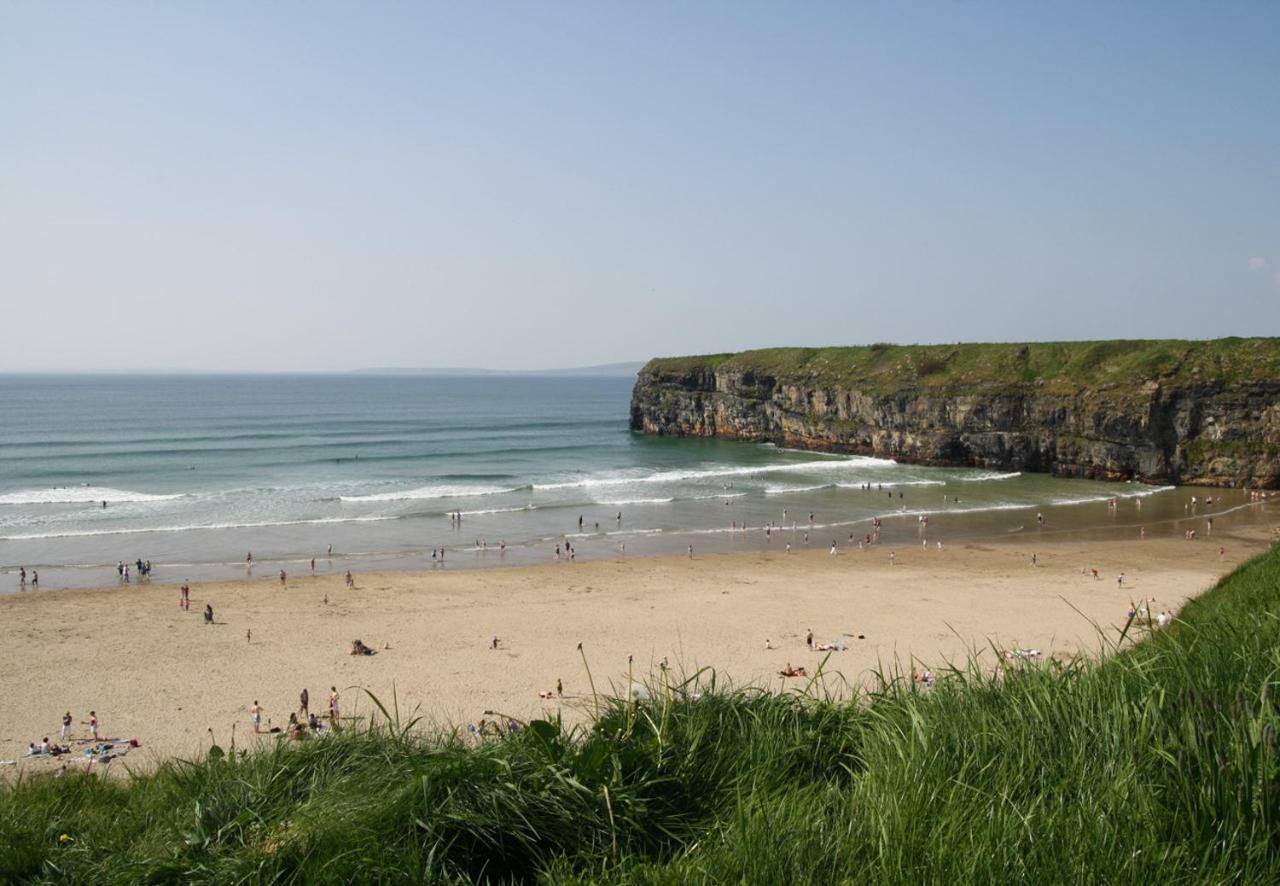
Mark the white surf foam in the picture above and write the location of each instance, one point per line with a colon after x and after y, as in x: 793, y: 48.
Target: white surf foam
x: 843, y: 463
x: 80, y: 495
x: 85, y: 533
x: 1093, y: 499
x: 990, y: 475
x: 875, y: 486
x: 492, y: 511
x: 423, y: 493
x: 784, y: 490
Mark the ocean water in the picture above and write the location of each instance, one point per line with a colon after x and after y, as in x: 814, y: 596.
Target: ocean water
x: 198, y: 471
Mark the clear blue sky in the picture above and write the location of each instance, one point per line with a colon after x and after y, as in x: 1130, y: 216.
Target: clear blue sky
x: 277, y: 186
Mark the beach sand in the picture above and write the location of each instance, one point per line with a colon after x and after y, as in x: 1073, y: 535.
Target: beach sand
x: 160, y: 675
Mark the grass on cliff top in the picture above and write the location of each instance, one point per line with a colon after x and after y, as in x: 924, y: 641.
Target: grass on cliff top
x: 1055, y: 366
x: 1157, y: 764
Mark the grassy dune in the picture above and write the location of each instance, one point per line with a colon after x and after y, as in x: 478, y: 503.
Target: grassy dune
x: 1158, y: 764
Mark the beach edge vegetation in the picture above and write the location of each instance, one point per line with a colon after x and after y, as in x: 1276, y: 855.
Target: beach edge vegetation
x: 1157, y: 760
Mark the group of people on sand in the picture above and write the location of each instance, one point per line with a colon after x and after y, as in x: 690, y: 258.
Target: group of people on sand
x: 46, y: 748
x: 547, y: 693
x: 143, y: 568
x: 493, y: 727
x: 1141, y: 612
x: 22, y: 578
x: 303, y: 721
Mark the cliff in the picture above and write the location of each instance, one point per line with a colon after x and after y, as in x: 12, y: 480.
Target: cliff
x: 1194, y: 412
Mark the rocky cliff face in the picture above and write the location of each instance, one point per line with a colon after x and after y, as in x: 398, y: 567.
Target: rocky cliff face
x: 1208, y: 433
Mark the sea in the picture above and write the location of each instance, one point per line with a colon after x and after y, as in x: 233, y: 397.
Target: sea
x: 195, y: 473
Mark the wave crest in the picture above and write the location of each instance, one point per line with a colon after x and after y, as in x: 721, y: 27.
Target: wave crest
x: 80, y: 495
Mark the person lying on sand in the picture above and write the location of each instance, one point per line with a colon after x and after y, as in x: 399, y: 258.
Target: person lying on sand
x: 358, y: 648
x: 789, y: 671
x: 296, y: 730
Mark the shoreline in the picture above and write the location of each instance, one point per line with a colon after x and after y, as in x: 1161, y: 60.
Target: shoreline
x: 900, y: 527
x: 156, y: 673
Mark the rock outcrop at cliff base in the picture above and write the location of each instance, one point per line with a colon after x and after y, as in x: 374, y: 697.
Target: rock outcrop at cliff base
x: 1182, y: 412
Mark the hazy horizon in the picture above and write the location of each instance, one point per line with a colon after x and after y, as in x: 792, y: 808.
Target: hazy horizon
x: 320, y: 188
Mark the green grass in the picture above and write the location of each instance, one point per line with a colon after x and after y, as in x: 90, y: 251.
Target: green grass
x: 1158, y: 763
x: 1053, y: 367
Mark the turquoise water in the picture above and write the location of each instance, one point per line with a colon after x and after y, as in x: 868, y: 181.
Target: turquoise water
x: 197, y: 471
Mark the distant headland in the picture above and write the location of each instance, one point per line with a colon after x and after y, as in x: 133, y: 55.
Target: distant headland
x: 1163, y: 411
x: 603, y: 370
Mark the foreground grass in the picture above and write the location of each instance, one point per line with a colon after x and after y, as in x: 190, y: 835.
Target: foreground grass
x: 1159, y: 764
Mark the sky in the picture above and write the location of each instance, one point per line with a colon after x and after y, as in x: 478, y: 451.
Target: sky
x: 327, y: 186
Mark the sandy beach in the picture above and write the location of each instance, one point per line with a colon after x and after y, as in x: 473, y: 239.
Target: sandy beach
x: 160, y: 675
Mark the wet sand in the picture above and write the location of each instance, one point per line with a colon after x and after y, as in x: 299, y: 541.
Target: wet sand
x: 158, y: 674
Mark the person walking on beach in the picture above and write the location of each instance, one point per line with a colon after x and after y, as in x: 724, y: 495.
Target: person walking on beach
x: 93, y: 724
x: 208, y: 613
x: 808, y: 638
x: 690, y: 552
x: 35, y: 580
x: 351, y: 582
x: 283, y: 578
x: 333, y: 706
x: 255, y: 715
x: 67, y: 720
x: 305, y: 699
x: 22, y: 576
x: 313, y: 564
